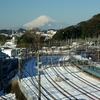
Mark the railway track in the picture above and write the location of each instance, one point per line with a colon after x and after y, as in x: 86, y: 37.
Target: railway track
x: 56, y: 87
x: 83, y: 91
x: 82, y: 80
x: 34, y: 84
x: 78, y: 88
x: 67, y: 95
x: 86, y: 92
x: 45, y: 90
x: 32, y: 81
x: 50, y: 95
x: 54, y: 84
x: 70, y: 96
x: 29, y: 86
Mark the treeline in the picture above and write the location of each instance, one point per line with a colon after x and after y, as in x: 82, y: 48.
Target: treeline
x: 30, y: 38
x: 89, y: 28
x: 84, y: 29
x: 2, y: 39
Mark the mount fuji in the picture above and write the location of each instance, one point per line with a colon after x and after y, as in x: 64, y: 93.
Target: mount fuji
x: 45, y: 22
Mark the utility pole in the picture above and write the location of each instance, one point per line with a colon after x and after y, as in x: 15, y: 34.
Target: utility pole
x: 98, y: 50
x: 39, y: 67
x: 0, y: 73
x: 39, y: 78
x: 19, y: 63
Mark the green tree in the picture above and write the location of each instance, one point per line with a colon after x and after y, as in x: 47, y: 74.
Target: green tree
x: 2, y: 39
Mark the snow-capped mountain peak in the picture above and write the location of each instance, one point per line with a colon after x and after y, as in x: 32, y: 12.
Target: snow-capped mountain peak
x: 45, y: 18
x: 45, y: 22
x: 40, y: 21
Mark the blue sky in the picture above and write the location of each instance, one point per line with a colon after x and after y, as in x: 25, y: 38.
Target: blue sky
x: 15, y: 13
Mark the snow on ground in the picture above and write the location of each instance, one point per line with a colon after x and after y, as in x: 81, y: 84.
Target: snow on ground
x: 29, y: 80
x: 9, y: 96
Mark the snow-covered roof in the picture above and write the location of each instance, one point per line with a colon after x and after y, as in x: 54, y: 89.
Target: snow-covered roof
x: 2, y: 55
x: 79, y: 57
x: 64, y: 58
x: 9, y: 44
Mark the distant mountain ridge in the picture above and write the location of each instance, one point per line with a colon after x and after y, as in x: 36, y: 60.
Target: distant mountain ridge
x: 44, y: 22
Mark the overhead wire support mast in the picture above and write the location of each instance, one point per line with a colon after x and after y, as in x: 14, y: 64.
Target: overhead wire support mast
x: 39, y: 78
x: 19, y: 63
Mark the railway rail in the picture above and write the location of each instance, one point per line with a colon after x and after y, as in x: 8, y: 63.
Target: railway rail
x: 77, y: 87
x: 33, y: 81
x: 52, y: 63
x: 83, y: 91
x: 82, y: 80
x: 67, y: 95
